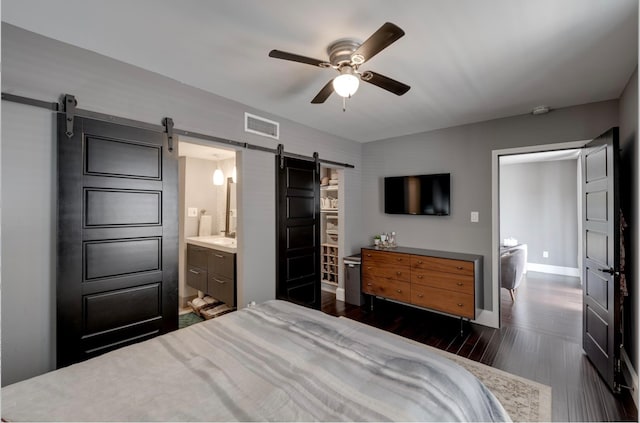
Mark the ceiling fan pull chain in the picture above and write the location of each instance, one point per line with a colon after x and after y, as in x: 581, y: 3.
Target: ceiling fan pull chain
x: 344, y: 104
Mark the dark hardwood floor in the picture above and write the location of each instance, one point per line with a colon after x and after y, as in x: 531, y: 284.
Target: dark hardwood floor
x: 540, y: 339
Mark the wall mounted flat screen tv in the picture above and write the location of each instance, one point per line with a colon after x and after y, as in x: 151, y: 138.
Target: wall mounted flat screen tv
x: 420, y: 195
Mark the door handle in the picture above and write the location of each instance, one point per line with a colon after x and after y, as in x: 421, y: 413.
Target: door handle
x: 610, y: 271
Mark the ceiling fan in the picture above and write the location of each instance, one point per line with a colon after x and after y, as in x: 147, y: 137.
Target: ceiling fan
x: 346, y: 56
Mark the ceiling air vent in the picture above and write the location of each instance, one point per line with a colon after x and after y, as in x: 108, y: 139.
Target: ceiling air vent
x: 261, y: 126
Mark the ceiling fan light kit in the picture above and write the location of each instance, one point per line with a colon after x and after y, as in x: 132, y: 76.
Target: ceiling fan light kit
x: 346, y: 84
x: 345, y: 56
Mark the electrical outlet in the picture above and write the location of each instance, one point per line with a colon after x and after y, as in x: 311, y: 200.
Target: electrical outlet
x: 475, y: 216
x: 192, y: 212
x: 545, y: 254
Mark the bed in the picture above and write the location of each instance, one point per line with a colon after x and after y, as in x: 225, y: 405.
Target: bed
x: 273, y: 361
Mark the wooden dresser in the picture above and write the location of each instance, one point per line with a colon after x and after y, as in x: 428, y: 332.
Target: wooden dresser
x: 438, y: 280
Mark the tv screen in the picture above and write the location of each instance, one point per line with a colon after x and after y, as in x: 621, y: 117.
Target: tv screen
x: 420, y: 195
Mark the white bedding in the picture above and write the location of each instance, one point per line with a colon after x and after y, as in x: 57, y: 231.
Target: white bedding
x: 274, y: 361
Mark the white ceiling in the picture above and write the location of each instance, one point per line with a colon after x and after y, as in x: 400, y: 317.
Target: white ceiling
x: 197, y: 149
x: 465, y: 60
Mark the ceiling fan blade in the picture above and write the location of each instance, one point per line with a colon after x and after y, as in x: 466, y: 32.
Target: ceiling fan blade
x: 384, y: 82
x: 297, y: 58
x: 324, y: 93
x: 386, y: 35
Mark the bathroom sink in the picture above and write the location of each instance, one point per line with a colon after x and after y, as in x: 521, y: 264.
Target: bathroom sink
x: 230, y: 242
x: 215, y: 241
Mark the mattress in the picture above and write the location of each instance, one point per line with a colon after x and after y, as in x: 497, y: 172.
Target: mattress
x: 274, y: 361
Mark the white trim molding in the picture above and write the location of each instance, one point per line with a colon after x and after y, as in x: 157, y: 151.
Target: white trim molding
x: 340, y: 294
x: 554, y: 270
x: 629, y: 374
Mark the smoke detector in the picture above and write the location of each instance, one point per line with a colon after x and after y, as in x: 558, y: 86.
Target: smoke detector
x: 540, y: 110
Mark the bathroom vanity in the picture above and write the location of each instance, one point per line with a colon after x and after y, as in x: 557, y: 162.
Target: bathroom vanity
x: 211, y: 267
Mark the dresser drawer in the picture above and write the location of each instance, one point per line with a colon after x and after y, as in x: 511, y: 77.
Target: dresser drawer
x: 197, y: 256
x: 455, y: 303
x: 221, y: 263
x: 385, y: 258
x: 222, y: 289
x: 387, y: 288
x: 401, y: 273
x: 197, y: 278
x: 450, y: 281
x: 458, y: 267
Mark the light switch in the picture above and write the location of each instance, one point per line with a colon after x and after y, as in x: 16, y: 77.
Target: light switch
x: 475, y: 216
x: 545, y: 254
x: 192, y: 212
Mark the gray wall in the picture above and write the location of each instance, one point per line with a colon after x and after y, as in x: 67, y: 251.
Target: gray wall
x: 38, y: 67
x: 538, y: 207
x: 630, y: 187
x: 465, y: 152
x: 28, y: 242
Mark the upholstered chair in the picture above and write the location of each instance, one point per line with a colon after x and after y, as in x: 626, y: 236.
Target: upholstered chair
x: 512, y: 265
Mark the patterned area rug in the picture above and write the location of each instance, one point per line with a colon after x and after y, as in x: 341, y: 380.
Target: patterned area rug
x: 524, y: 399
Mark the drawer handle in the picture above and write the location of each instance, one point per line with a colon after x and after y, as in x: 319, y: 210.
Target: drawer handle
x: 420, y: 295
x: 459, y: 304
x: 195, y: 272
x: 459, y: 283
x: 368, y: 267
x: 459, y: 267
x: 368, y: 284
x: 219, y: 256
x: 398, y: 273
x: 420, y: 276
x: 399, y: 259
x: 219, y: 281
x: 399, y: 291
x: 368, y: 255
x: 419, y: 261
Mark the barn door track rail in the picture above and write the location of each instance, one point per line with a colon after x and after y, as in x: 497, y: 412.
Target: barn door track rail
x: 68, y: 106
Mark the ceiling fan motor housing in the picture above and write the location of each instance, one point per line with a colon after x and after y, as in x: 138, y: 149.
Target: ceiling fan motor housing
x: 340, y: 51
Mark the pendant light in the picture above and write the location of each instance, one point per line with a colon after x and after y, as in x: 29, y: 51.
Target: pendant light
x: 218, y: 176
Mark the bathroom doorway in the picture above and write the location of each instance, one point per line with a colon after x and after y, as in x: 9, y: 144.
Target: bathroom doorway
x: 208, y: 213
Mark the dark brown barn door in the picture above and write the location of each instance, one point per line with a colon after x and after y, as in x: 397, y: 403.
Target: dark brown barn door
x: 298, y: 232
x: 117, y: 238
x: 601, y: 256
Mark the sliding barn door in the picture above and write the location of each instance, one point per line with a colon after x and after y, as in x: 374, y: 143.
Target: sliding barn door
x: 117, y: 238
x: 601, y: 256
x: 298, y: 231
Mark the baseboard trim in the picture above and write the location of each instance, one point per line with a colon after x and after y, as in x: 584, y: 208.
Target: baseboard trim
x: 340, y: 294
x: 554, y: 270
x: 488, y: 318
x: 630, y: 375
